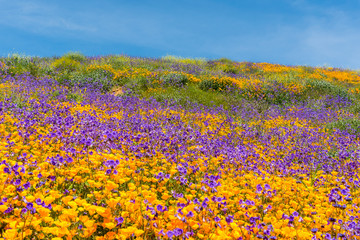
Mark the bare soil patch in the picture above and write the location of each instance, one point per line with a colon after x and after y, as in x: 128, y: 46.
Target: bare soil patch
x: 117, y: 91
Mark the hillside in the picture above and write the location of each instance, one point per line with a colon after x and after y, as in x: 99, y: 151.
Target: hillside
x: 118, y: 147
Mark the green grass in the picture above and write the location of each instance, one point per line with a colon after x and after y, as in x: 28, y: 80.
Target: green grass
x: 70, y: 70
x: 350, y: 125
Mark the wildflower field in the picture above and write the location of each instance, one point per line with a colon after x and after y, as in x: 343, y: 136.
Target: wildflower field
x: 118, y: 147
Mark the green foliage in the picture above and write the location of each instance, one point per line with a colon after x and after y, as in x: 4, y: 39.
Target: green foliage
x: 230, y: 69
x: 350, y: 125
x: 174, y: 79
x: 224, y: 60
x: 354, y: 108
x: 276, y: 94
x: 99, y: 78
x: 141, y: 83
x: 14, y: 97
x: 63, y: 78
x: 118, y: 62
x: 76, y: 56
x: 74, y: 96
x: 308, y: 69
x: 70, y: 70
x: 176, y: 59
x: 225, y: 65
x: 191, y: 94
x: 19, y: 64
x: 65, y: 64
x: 19, y: 101
x: 18, y: 59
x: 250, y: 68
x: 214, y: 84
x: 316, y: 88
x: 138, y: 85
x: 54, y: 94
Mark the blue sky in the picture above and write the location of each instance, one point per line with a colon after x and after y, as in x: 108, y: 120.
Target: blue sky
x: 291, y: 32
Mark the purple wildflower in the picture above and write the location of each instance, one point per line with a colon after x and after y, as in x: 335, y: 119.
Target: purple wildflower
x: 17, y: 182
x: 27, y: 185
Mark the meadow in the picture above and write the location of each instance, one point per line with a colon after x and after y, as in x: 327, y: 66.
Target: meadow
x: 119, y: 147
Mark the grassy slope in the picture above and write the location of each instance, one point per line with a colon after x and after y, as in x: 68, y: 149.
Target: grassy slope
x: 273, y: 158
x: 219, y: 83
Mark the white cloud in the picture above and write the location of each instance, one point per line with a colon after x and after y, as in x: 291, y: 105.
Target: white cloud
x: 322, y: 35
x: 38, y: 17
x: 319, y: 34
x: 121, y: 23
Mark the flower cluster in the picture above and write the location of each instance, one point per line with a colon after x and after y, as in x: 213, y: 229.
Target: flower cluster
x: 121, y: 167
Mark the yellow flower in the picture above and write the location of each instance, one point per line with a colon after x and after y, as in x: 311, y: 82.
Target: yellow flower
x: 30, y: 198
x: 10, y: 234
x: 138, y: 232
x: 3, y: 208
x: 304, y: 235
x: 62, y: 224
x: 49, y: 199
x: 67, y: 199
x: 110, y: 225
x: 44, y: 212
x: 58, y: 208
x: 201, y: 236
x: 89, y: 223
x: 72, y: 204
x: 131, y: 186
